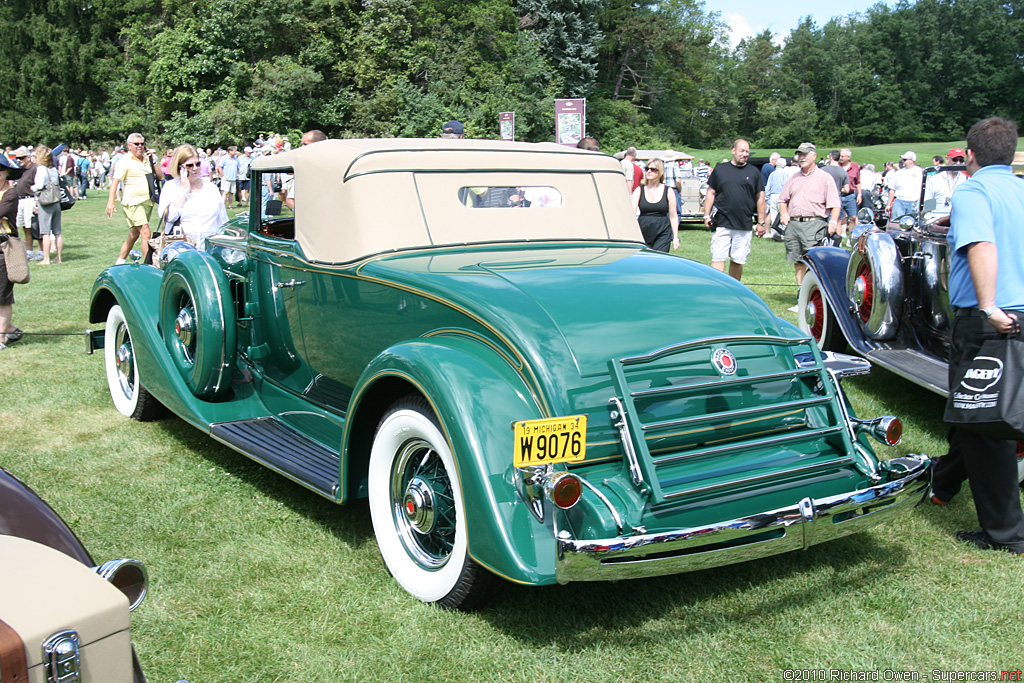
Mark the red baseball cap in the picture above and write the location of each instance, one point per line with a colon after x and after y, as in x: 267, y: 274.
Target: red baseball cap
x: 956, y: 152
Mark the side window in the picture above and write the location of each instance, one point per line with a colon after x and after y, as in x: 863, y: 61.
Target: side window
x: 276, y: 202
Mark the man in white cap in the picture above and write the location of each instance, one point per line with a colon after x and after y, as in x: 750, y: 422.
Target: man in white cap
x: 905, y: 188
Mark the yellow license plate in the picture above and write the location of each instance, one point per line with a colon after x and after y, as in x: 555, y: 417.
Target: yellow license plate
x: 550, y: 440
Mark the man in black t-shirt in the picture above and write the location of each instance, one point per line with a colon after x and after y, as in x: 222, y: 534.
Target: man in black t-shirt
x: 735, y: 192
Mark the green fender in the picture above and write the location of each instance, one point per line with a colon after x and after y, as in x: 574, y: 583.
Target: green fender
x: 476, y: 395
x: 197, y: 320
x: 136, y: 289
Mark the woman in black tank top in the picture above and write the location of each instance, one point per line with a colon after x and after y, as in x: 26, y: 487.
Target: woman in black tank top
x: 659, y: 221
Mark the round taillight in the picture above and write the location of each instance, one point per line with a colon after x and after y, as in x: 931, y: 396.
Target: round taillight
x: 894, y: 432
x: 566, y: 490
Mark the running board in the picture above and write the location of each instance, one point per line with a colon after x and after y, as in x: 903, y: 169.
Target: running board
x: 270, y: 442
x: 919, y: 368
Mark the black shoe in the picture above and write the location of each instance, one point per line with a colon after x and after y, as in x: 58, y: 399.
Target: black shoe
x: 980, y: 539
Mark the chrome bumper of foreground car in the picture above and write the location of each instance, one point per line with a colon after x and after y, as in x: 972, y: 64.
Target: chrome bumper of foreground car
x: 794, y: 528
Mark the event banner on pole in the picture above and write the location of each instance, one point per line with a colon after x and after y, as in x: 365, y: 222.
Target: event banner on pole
x: 507, y: 125
x: 570, y: 121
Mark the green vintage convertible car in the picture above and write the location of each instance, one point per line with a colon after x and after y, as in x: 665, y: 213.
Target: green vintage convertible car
x: 472, y: 335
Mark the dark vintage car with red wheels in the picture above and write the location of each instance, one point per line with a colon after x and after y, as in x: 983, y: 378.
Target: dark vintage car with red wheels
x: 888, y: 298
x: 63, y: 616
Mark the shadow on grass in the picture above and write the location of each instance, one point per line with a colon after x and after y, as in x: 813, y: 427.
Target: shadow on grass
x: 349, y: 523
x: 577, y: 617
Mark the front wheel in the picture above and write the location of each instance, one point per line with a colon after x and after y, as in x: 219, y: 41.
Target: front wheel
x: 417, y: 509
x: 129, y: 396
x: 816, y: 318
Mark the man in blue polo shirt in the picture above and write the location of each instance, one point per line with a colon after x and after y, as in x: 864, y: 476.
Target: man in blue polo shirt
x: 986, y: 288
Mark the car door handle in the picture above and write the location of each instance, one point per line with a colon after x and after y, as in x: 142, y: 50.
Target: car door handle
x: 291, y: 283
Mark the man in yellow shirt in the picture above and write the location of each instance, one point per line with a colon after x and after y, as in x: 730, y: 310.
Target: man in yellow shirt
x: 130, y: 175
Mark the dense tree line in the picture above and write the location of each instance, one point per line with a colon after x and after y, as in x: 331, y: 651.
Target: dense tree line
x: 655, y: 73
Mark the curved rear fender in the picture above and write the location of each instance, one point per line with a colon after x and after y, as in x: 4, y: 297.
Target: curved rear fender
x: 829, y: 266
x: 477, y: 395
x: 136, y: 289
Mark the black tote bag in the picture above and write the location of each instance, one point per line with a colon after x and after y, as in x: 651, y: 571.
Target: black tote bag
x: 987, y: 396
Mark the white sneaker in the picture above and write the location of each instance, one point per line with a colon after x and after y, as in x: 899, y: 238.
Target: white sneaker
x: 793, y: 309
x: 120, y: 262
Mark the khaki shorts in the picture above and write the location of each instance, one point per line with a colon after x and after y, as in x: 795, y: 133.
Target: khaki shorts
x: 729, y: 244
x: 138, y: 214
x: 802, y: 235
x: 227, y: 186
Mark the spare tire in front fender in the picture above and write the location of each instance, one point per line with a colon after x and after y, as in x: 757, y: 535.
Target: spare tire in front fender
x: 197, y: 321
x: 874, y: 284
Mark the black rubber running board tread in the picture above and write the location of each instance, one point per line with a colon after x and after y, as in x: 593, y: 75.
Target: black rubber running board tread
x: 269, y: 441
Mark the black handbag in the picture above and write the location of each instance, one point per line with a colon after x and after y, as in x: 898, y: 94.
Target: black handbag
x: 66, y: 200
x: 153, y: 184
x: 154, y: 187
x: 987, y: 396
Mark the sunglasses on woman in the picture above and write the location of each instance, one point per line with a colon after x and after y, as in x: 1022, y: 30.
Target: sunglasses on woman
x: 195, y: 165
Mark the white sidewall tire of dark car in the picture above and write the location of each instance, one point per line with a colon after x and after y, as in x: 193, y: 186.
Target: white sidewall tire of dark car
x: 815, y: 317
x: 126, y: 390
x: 440, y: 577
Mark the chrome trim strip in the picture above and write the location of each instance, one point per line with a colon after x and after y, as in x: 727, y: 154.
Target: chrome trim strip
x: 604, y: 499
x: 741, y: 412
x: 839, y: 462
x: 867, y: 463
x: 743, y: 339
x: 785, y: 438
x: 726, y: 382
x: 805, y: 523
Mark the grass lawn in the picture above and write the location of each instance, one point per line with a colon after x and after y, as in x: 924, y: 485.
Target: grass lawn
x: 254, y: 579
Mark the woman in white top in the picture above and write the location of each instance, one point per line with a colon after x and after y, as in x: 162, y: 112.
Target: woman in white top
x: 193, y: 202
x: 49, y: 216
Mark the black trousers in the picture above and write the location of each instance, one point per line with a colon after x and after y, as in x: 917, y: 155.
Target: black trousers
x: 989, y: 464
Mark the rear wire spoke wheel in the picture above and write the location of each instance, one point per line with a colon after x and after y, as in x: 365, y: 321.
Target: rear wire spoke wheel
x: 417, y: 509
x: 815, y: 317
x: 126, y: 390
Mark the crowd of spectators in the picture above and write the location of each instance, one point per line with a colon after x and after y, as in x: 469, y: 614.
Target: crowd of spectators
x: 217, y: 177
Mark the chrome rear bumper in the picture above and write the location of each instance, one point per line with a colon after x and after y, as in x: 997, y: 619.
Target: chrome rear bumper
x: 793, y: 528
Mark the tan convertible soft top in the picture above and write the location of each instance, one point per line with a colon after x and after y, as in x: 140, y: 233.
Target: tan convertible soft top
x: 355, y: 198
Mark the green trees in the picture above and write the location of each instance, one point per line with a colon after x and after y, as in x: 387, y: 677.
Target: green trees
x: 654, y: 73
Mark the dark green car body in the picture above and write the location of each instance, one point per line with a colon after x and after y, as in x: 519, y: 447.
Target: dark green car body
x: 715, y: 431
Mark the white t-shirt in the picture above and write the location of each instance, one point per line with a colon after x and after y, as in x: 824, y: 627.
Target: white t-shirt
x: 906, y: 183
x: 203, y: 213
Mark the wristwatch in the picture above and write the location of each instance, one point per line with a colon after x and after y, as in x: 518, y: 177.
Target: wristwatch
x: 986, y: 313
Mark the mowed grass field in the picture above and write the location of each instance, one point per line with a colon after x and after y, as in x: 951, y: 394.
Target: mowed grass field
x: 254, y: 579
